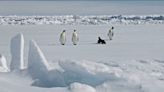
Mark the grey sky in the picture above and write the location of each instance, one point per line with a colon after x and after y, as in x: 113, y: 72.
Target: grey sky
x: 81, y: 8
x: 81, y: 0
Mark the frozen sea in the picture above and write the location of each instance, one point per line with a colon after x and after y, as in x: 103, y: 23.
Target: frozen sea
x: 132, y: 62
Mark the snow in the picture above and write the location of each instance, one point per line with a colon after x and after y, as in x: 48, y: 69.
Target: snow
x: 85, y: 72
x: 3, y: 64
x: 77, y: 87
x: 17, y: 53
x: 88, y: 72
x: 132, y: 62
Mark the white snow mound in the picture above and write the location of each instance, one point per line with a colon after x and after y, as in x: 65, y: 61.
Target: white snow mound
x: 78, y: 87
x: 88, y: 72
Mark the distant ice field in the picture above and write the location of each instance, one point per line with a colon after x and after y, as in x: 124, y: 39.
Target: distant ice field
x: 82, y: 20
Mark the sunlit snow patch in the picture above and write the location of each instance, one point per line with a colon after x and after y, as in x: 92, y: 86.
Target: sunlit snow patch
x: 3, y: 64
x: 78, y: 87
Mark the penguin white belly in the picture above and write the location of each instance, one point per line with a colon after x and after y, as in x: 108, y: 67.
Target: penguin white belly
x: 63, y: 38
x: 110, y: 35
x: 74, y: 38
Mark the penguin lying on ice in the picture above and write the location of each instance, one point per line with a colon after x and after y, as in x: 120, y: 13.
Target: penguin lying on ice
x: 101, y: 41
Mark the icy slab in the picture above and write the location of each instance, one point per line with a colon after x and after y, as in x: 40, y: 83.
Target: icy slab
x: 87, y: 72
x: 78, y: 87
x: 3, y: 64
x: 37, y: 63
x: 40, y: 70
x: 119, y: 85
x: 17, y: 53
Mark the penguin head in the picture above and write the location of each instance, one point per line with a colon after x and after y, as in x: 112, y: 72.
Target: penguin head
x: 63, y: 30
x: 74, y: 30
x: 112, y: 27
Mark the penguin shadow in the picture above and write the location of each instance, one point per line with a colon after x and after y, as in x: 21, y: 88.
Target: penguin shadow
x: 104, y: 42
x: 56, y: 44
x: 107, y: 39
x: 53, y: 44
x: 80, y: 44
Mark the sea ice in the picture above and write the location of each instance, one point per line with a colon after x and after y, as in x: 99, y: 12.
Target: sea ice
x: 3, y: 64
x: 40, y: 70
x: 17, y: 53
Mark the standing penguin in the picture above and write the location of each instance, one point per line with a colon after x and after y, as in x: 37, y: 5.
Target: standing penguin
x: 63, y: 38
x: 75, y: 38
x: 111, y: 33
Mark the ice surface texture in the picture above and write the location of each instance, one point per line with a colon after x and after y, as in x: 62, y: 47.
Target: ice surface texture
x: 85, y: 72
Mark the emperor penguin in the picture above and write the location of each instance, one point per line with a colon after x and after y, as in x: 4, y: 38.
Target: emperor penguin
x: 75, y: 38
x: 63, y: 38
x: 111, y: 33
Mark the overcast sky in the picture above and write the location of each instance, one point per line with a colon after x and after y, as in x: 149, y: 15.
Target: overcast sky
x: 99, y: 7
x: 81, y: 0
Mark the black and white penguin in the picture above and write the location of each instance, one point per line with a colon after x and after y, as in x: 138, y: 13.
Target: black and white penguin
x: 63, y: 37
x: 101, y: 41
x: 111, y: 33
x: 75, y: 38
